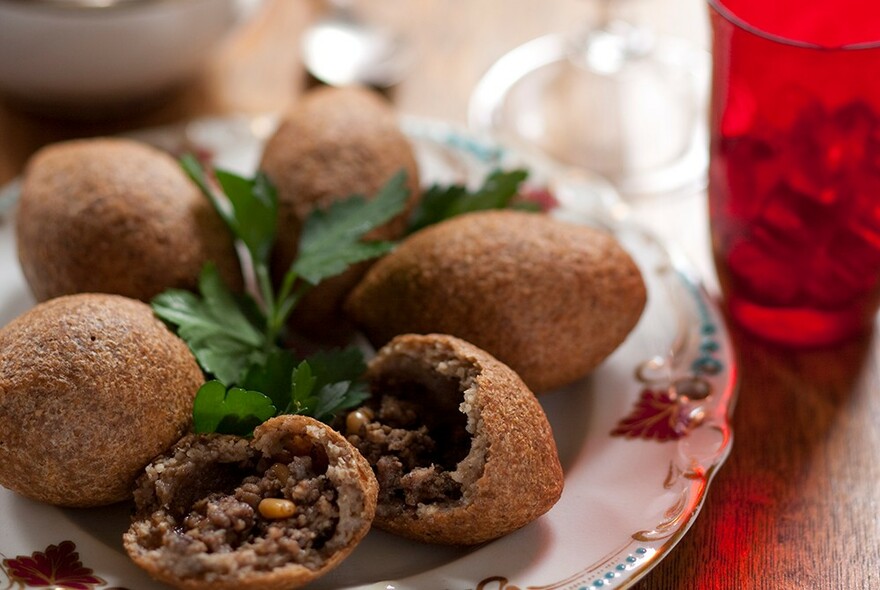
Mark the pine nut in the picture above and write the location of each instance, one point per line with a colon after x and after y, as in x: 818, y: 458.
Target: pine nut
x: 276, y: 508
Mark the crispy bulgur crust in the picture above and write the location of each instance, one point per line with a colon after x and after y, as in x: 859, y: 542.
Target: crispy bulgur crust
x: 550, y: 299
x: 111, y: 215
x: 92, y: 387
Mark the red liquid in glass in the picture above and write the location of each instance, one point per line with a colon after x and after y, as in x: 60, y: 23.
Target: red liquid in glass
x: 795, y: 181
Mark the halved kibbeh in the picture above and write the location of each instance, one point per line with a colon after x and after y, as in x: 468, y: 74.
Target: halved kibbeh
x: 548, y: 298
x: 92, y: 388
x: 462, y: 449
x: 222, y: 512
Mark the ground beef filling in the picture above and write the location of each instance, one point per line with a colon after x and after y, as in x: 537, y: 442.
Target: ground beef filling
x: 291, y: 527
x: 413, y: 448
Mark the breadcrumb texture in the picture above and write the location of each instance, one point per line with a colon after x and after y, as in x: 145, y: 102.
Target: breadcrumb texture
x: 111, y: 215
x: 550, y: 299
x: 92, y: 388
x: 199, y: 522
x: 506, y: 470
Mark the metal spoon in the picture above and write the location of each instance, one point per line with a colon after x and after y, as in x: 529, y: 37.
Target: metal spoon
x: 342, y: 48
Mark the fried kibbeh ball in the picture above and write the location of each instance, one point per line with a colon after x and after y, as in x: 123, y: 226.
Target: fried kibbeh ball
x: 462, y: 449
x: 548, y: 298
x: 334, y: 143
x: 92, y: 388
x: 113, y: 215
x: 276, y: 512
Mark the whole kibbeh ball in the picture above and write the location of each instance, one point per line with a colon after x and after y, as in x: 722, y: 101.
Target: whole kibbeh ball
x: 92, y: 388
x: 334, y: 143
x: 548, y: 298
x: 111, y: 215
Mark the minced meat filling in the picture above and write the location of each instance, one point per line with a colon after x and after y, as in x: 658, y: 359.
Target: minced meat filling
x: 229, y: 521
x: 413, y: 449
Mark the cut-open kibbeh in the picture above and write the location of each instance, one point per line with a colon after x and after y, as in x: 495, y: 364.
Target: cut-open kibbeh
x: 92, y: 388
x: 112, y: 215
x: 548, y: 298
x: 334, y: 143
x: 222, y: 512
x: 462, y: 449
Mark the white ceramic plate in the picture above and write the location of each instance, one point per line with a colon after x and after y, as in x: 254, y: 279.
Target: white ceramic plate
x: 640, y: 439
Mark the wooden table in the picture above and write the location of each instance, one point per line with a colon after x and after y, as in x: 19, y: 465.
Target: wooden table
x: 797, y: 505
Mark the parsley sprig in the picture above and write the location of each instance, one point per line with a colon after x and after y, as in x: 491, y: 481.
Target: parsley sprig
x: 235, y: 338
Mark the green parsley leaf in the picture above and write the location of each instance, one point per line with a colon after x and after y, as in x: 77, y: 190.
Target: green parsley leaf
x: 303, y: 398
x: 215, y: 328
x: 331, y: 366
x: 272, y: 377
x: 327, y: 383
x: 444, y: 202
x: 250, y: 209
x: 236, y: 339
x: 230, y: 411
x: 331, y: 238
x: 339, y: 381
x: 334, y: 397
x: 254, y: 211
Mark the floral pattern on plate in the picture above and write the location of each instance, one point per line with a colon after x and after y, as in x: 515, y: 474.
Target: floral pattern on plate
x: 58, y: 566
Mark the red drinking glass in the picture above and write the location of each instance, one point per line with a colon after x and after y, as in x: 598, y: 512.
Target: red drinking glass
x: 794, y: 184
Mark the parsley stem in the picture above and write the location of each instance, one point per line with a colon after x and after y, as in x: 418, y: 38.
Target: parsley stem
x: 264, y: 283
x: 289, y: 303
x: 283, y: 305
x: 287, y: 285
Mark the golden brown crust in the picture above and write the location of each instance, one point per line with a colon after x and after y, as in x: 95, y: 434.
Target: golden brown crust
x: 349, y: 472
x: 517, y: 476
x: 550, y: 299
x: 334, y: 143
x: 92, y: 387
x: 116, y: 216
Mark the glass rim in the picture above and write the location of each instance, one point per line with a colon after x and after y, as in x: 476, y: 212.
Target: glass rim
x: 737, y: 21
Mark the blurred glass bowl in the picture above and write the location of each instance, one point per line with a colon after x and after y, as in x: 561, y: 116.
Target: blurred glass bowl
x: 85, y: 56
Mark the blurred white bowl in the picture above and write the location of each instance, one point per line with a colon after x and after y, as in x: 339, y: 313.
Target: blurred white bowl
x: 76, y: 54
